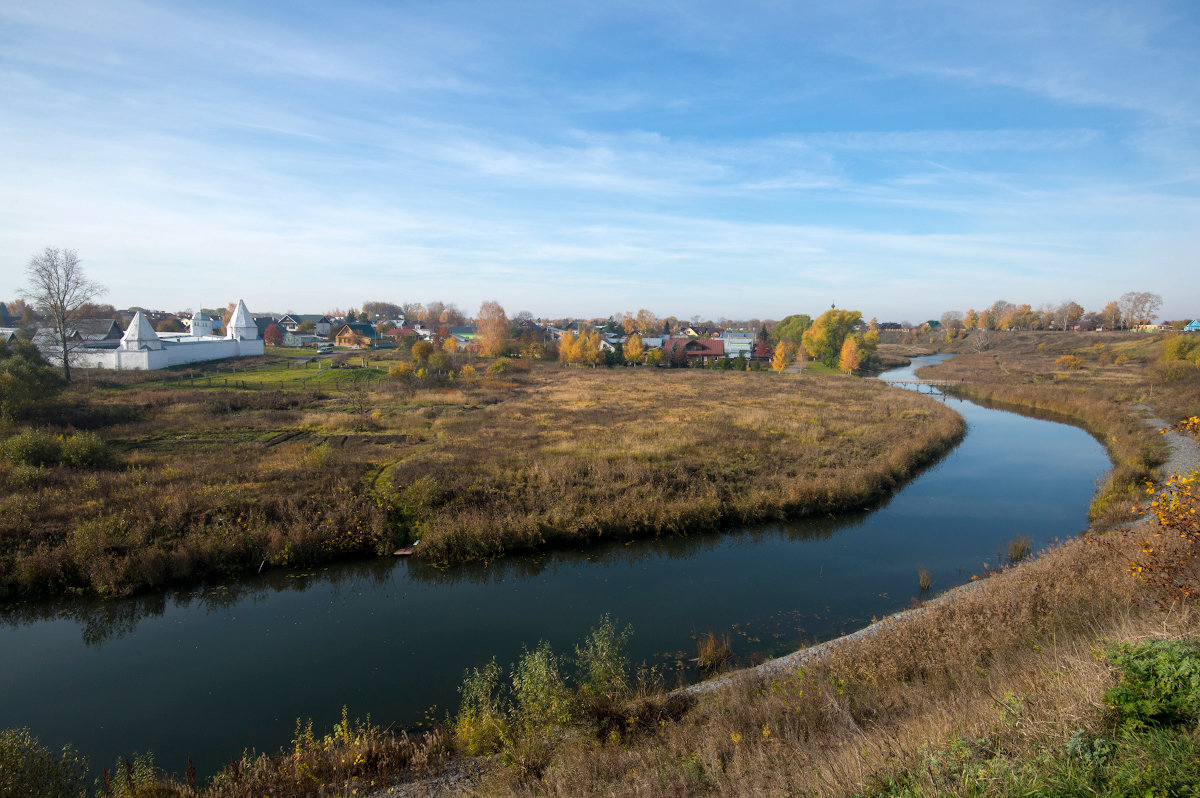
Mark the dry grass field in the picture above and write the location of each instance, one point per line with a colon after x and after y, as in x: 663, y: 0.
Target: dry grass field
x: 205, y: 481
x: 1107, y: 383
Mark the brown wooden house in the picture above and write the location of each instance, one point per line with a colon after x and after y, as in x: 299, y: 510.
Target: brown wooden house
x: 356, y: 336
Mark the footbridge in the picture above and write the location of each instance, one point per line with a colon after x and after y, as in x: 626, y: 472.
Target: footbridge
x: 920, y: 385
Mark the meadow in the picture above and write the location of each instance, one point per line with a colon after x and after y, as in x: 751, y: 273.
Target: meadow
x: 1107, y: 383
x: 198, y: 482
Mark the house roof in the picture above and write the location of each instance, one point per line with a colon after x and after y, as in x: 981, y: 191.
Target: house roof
x: 96, y: 329
x: 358, y: 328
x: 300, y: 318
x: 695, y: 346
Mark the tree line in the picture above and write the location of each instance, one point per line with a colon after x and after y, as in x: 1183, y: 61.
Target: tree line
x: 1132, y: 309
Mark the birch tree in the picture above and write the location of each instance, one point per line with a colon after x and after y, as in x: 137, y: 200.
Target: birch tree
x: 58, y: 288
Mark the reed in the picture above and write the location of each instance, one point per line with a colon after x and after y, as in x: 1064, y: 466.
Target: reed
x: 712, y: 652
x: 206, y: 482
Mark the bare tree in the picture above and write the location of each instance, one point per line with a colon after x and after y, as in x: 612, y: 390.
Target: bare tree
x: 952, y: 320
x: 1139, y: 307
x: 59, y: 288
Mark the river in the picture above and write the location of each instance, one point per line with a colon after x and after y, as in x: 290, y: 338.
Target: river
x: 204, y: 673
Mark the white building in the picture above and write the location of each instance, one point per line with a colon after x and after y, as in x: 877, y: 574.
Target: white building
x: 143, y: 348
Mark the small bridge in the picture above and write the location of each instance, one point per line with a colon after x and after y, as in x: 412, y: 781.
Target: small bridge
x: 919, y: 385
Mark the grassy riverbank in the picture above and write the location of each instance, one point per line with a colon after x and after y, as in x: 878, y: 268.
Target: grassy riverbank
x: 1066, y: 674
x: 1104, y: 382
x: 188, y: 482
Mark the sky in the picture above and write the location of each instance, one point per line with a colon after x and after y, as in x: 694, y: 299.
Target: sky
x: 583, y: 159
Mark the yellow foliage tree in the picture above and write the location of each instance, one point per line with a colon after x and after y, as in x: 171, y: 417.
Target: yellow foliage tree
x: 634, y: 350
x: 783, y: 355
x: 568, y: 348
x: 589, y: 348
x: 851, y: 355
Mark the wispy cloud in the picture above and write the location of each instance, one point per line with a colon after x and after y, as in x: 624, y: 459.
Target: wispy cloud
x: 617, y: 156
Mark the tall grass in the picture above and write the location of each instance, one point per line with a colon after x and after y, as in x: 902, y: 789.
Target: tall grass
x: 210, y: 482
x: 1106, y: 396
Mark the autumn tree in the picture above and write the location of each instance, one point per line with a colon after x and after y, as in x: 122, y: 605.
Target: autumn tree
x: 825, y: 337
x: 492, y: 323
x: 58, y: 288
x: 849, y: 359
x: 171, y: 326
x: 273, y: 335
x: 589, y: 348
x: 568, y: 348
x: 385, y: 310
x: 1110, y: 317
x: 971, y: 320
x: 801, y: 359
x: 421, y: 351
x: 450, y: 345
x: 1066, y: 315
x: 784, y: 350
x: 634, y: 349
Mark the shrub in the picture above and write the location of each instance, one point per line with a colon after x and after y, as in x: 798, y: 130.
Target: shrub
x: 29, y: 769
x: 521, y: 722
x: 1159, y: 683
x: 23, y: 476
x: 33, y: 447
x: 1181, y: 347
x: 602, y: 663
x: 1069, y: 362
x: 502, y: 365
x: 401, y: 371
x: 86, y: 450
x: 482, y: 723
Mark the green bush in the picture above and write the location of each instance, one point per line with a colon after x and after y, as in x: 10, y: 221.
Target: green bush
x: 23, y: 476
x: 86, y: 450
x: 33, y: 447
x: 502, y: 365
x: 482, y: 724
x: 520, y: 719
x: 28, y: 770
x: 1159, y: 683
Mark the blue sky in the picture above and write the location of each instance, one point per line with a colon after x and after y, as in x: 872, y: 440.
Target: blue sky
x: 584, y: 159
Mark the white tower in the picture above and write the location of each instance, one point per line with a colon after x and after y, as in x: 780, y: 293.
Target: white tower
x: 241, y: 324
x: 140, y: 334
x: 201, y: 323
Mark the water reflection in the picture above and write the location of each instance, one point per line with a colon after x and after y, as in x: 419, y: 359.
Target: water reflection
x: 391, y: 637
x: 102, y: 621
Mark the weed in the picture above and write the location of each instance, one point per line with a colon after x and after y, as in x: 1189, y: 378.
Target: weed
x: 1019, y: 548
x: 712, y: 652
x: 27, y: 768
x: 1159, y: 683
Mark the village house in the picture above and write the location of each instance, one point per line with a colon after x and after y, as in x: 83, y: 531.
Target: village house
x: 291, y: 322
x: 357, y: 336
x: 687, y: 351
